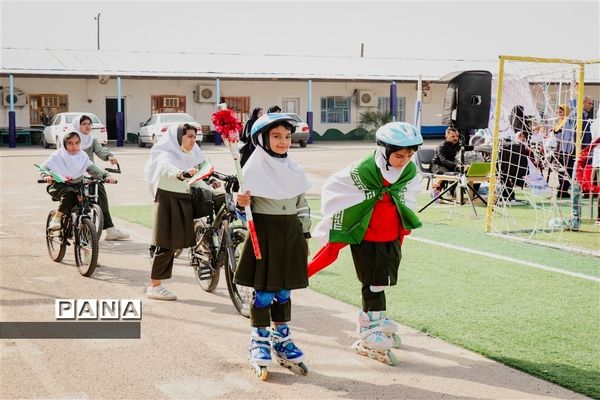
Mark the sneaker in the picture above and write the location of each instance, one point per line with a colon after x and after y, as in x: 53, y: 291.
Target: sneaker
x: 160, y: 293
x: 54, y: 224
x: 115, y: 234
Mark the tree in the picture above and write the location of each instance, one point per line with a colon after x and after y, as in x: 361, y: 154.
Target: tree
x: 370, y: 121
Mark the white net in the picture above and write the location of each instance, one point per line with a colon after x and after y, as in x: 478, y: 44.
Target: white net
x: 539, y: 193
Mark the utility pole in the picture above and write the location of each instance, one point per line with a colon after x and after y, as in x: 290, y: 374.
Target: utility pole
x: 97, y: 18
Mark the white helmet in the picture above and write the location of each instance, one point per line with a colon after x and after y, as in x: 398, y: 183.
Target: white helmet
x: 398, y: 134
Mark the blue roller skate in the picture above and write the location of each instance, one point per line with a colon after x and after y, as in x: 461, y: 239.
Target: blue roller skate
x: 286, y: 352
x: 372, y: 341
x: 260, y: 352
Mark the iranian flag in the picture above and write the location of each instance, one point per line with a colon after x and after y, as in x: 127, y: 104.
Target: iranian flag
x: 348, y: 199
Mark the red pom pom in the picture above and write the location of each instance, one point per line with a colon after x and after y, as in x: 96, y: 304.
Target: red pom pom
x: 227, y: 125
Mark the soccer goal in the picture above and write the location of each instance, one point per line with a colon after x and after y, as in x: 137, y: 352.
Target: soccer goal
x: 534, y: 193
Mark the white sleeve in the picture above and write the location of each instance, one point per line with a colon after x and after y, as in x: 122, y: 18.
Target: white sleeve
x: 413, y: 188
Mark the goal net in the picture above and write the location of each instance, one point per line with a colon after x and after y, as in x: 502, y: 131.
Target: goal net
x: 540, y: 155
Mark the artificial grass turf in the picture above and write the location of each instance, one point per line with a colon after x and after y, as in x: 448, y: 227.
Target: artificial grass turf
x: 541, y: 322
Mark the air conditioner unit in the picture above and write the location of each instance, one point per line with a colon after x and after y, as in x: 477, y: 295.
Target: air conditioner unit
x: 19, y: 98
x: 205, y: 94
x: 366, y: 98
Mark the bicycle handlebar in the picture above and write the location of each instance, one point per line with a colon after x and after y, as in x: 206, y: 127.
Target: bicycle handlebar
x: 231, y: 181
x: 223, y: 177
x: 114, y: 170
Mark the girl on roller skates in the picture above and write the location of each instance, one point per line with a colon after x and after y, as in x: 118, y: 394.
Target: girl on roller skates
x: 368, y: 206
x: 275, y: 187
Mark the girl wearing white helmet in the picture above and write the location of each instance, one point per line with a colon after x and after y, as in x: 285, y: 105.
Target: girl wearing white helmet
x: 368, y: 205
x: 275, y: 190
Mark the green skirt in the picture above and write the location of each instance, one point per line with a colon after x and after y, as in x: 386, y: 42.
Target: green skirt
x: 284, y: 254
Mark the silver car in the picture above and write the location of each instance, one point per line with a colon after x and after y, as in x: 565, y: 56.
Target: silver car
x: 302, y: 130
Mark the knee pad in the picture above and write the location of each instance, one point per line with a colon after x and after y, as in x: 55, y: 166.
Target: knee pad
x: 262, y: 298
x: 376, y: 289
x: 282, y: 296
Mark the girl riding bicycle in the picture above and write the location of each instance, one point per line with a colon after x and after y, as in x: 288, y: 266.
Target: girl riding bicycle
x: 72, y: 163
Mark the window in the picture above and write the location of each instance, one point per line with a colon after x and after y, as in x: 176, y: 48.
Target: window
x: 290, y: 105
x: 167, y: 104
x: 383, y: 105
x: 335, y: 110
x: 43, y: 106
x: 240, y: 105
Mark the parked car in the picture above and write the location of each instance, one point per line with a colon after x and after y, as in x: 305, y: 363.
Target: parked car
x: 61, y: 122
x: 302, y: 130
x: 158, y: 124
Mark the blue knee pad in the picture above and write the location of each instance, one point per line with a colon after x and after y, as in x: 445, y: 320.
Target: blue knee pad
x: 262, y: 298
x: 282, y: 296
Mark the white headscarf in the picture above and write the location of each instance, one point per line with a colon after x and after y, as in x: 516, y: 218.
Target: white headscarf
x: 390, y: 175
x: 273, y: 177
x: 86, y: 140
x: 168, y: 151
x: 68, y: 165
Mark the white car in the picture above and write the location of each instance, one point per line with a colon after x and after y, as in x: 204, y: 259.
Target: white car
x: 158, y: 124
x: 61, y: 122
x: 302, y: 130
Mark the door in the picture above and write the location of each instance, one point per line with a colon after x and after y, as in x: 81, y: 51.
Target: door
x: 111, y: 118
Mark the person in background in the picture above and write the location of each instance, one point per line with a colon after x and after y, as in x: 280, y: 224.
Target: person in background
x: 565, y: 154
x: 274, y: 109
x: 82, y: 124
x: 248, y: 148
x: 444, y: 161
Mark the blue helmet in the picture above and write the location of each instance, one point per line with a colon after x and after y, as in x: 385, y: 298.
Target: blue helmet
x: 398, y: 134
x: 267, y: 121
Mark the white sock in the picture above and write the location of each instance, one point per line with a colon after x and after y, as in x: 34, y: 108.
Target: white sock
x: 376, y: 289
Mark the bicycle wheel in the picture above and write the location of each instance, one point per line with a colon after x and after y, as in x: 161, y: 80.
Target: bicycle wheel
x: 205, y: 267
x: 55, y: 240
x: 86, y: 247
x: 241, y: 296
x: 97, y: 219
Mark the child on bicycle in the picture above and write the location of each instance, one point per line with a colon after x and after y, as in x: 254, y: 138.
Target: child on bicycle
x: 368, y: 206
x: 275, y: 190
x: 72, y: 163
x: 173, y: 159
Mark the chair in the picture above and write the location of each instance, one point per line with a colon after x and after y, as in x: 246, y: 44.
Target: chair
x: 423, y: 161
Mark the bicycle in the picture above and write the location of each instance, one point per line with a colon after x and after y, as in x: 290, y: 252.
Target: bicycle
x: 218, y: 240
x: 76, y: 227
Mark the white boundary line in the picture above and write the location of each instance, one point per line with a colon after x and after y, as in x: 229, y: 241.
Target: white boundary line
x: 505, y: 258
x: 498, y: 257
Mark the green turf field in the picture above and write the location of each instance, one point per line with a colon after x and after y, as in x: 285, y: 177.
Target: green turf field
x: 484, y: 293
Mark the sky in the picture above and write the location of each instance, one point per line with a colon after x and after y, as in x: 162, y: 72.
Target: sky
x: 433, y: 30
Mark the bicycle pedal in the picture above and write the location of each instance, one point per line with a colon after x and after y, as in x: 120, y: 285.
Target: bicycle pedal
x: 205, y: 273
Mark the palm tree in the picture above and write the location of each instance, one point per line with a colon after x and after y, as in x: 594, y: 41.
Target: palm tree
x: 370, y: 121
